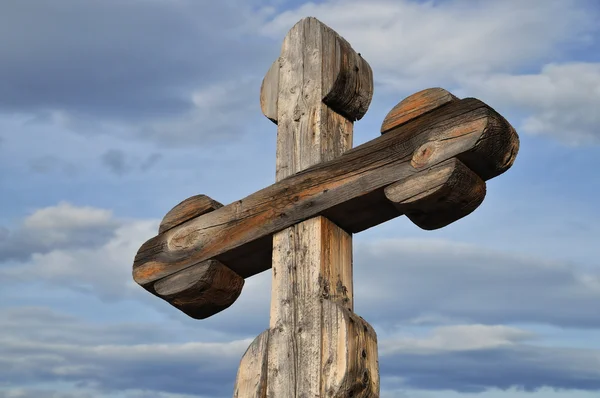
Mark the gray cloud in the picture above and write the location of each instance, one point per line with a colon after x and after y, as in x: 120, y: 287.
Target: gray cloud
x: 561, y: 100
x: 522, y: 366
x: 98, y: 362
x: 76, y: 392
x: 51, y: 164
x: 218, y: 114
x: 109, y: 359
x: 47, y: 325
x: 478, y: 47
x: 411, y: 43
x: 150, y: 161
x: 63, y: 226
x: 115, y: 161
x: 85, y: 249
x: 120, y: 163
x: 429, y: 282
x: 41, y: 393
x: 180, y: 73
x: 476, y: 358
x: 440, y: 279
x: 122, y: 61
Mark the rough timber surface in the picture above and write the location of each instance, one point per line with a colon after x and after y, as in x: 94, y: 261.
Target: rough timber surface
x: 251, y: 380
x: 239, y: 234
x: 416, y: 105
x: 190, y: 208
x: 320, y: 94
x: 343, y: 80
x: 439, y: 195
x: 202, y: 290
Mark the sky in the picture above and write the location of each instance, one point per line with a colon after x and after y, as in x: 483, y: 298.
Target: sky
x: 114, y: 111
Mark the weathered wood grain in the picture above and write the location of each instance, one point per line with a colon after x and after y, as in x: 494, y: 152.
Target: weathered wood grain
x: 269, y: 92
x: 312, y: 264
x: 416, y: 105
x: 345, y: 79
x: 467, y: 129
x: 202, y: 290
x: 439, y: 195
x: 349, y: 357
x: 251, y: 380
x: 186, y: 210
x: 312, y: 260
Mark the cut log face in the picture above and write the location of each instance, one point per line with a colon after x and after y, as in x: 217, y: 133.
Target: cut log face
x: 416, y: 105
x: 251, y: 380
x: 190, y: 208
x: 203, y: 289
x: 438, y: 196
x: 346, y: 78
x: 349, y: 359
x: 269, y: 92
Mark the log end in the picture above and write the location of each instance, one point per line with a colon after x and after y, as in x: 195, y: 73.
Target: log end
x: 350, y: 366
x: 148, y: 266
x: 496, y: 150
x: 346, y: 78
x: 202, y: 290
x: 186, y: 210
x: 485, y: 141
x: 145, y: 270
x: 438, y: 196
x: 251, y: 380
x: 416, y: 105
x: 269, y: 92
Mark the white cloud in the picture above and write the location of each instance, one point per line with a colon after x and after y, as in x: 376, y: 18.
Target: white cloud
x: 81, y: 247
x: 217, y: 113
x: 476, y: 48
x: 67, y: 217
x: 413, y: 45
x: 456, y: 338
x: 562, y: 100
x: 58, y: 227
x: 103, y: 269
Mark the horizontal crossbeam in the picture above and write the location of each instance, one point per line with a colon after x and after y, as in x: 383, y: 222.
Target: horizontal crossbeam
x: 348, y: 190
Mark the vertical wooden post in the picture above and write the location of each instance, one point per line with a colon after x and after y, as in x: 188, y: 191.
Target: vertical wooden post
x: 316, y: 346
x: 301, y: 269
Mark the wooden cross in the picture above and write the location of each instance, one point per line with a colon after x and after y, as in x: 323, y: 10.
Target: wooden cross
x: 430, y: 164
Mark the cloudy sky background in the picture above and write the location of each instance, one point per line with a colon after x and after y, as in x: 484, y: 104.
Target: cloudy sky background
x: 113, y: 111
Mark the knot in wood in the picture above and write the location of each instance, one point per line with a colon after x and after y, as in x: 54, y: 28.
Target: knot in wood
x: 422, y: 157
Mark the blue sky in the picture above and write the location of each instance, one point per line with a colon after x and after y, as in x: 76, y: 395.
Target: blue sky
x: 113, y: 111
